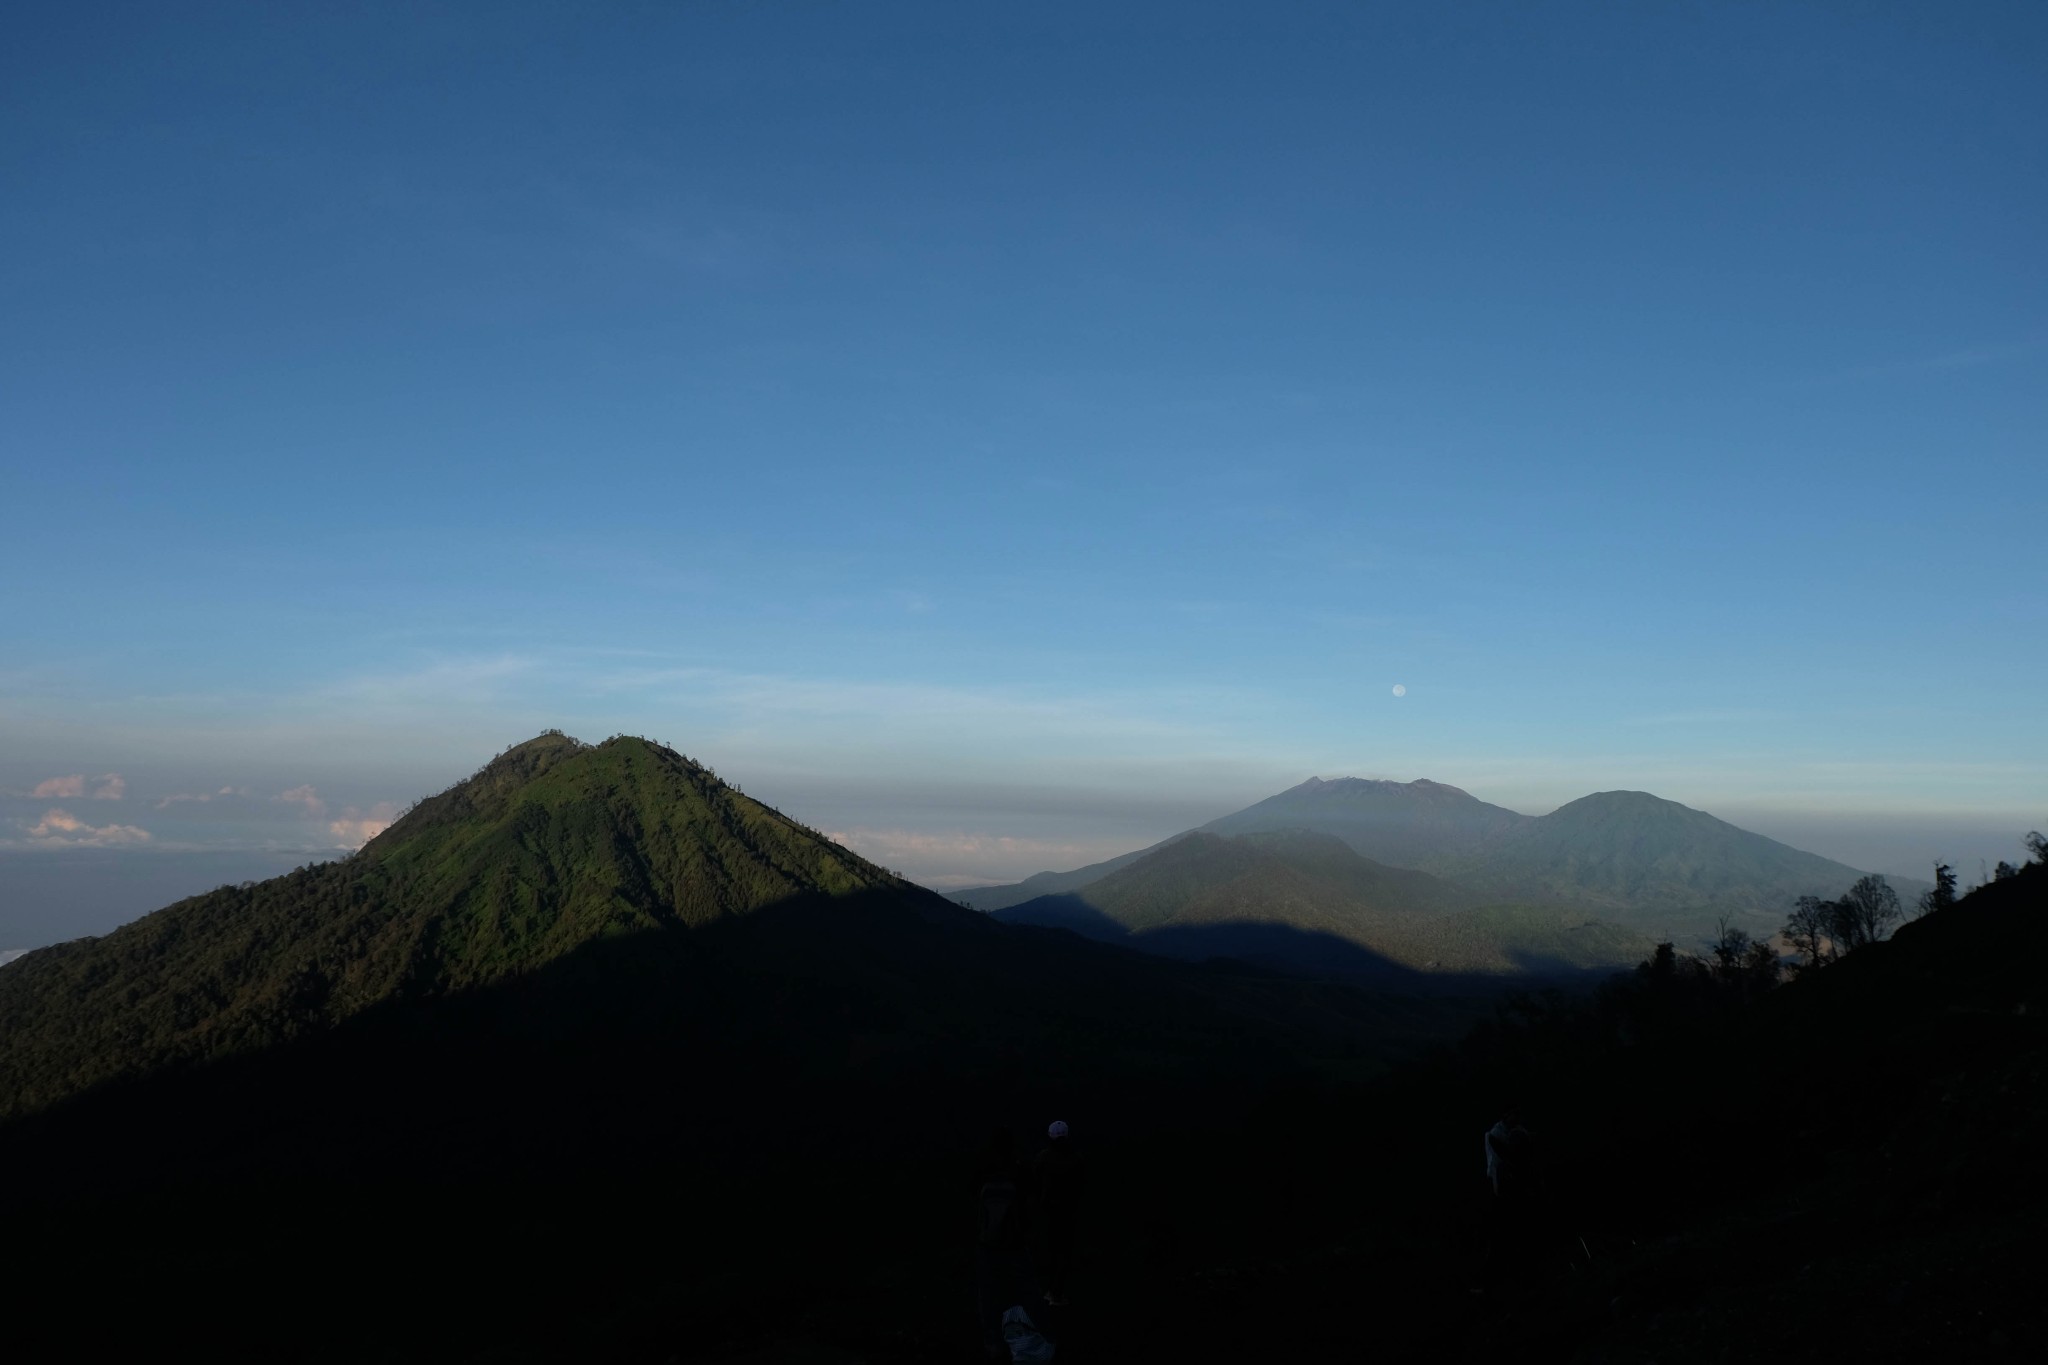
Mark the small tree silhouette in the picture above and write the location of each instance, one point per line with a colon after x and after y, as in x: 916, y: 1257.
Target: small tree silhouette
x: 1810, y: 929
x: 1944, y: 893
x: 1740, y: 963
x: 1865, y: 915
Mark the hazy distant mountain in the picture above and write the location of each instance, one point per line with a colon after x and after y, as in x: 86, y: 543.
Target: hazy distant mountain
x: 1304, y: 900
x: 1631, y: 851
x: 1050, y: 883
x: 1299, y: 876
x: 1611, y: 853
x: 1403, y: 824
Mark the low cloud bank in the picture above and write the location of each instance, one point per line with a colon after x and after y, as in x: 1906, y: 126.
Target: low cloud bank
x: 61, y: 829
x: 105, y: 787
x: 948, y: 860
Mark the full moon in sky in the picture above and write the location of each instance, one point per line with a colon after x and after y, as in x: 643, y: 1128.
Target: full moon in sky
x: 1400, y: 691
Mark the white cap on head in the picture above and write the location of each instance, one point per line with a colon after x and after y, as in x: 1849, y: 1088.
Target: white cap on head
x: 1058, y: 1130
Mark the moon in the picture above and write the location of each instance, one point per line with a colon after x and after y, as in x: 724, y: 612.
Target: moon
x: 1399, y: 690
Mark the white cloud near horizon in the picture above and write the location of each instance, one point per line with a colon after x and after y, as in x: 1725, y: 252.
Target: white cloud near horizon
x: 353, y: 828
x: 105, y: 787
x: 59, y: 828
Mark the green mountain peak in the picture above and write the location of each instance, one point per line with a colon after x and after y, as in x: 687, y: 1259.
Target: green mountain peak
x: 551, y: 845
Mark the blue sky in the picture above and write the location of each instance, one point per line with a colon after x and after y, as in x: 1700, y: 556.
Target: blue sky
x: 1006, y: 434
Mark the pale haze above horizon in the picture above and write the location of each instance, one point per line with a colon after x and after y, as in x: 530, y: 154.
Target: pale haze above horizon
x: 1004, y: 436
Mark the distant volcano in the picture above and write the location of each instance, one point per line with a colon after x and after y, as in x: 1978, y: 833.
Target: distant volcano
x: 1631, y: 856
x: 1631, y: 851
x: 1403, y: 824
x: 1308, y: 903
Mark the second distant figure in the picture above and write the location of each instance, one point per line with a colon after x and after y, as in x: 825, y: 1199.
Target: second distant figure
x: 1060, y: 1179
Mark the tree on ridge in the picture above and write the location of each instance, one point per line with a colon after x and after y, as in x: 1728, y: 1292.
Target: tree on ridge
x: 1810, y: 929
x: 1866, y: 914
x: 1944, y: 893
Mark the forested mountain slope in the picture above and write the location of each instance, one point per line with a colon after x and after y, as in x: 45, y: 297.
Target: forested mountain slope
x: 553, y: 845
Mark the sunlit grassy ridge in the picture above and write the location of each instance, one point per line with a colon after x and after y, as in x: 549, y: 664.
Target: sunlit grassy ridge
x: 553, y: 844
x: 556, y: 843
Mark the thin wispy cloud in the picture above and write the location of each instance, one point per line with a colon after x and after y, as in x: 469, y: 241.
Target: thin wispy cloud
x: 1753, y: 777
x: 1154, y: 713
x: 198, y: 798
x: 954, y: 860
x: 58, y: 788
x: 1941, y: 362
x: 472, y: 679
x: 112, y: 787
x: 903, y: 765
x: 306, y: 798
x: 1968, y: 358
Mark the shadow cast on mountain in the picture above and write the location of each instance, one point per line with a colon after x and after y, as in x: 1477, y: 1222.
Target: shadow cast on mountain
x: 862, y: 1016
x: 1275, y: 947
x: 779, y: 1096
x: 1297, y: 952
x: 1067, y: 912
x: 783, y: 1092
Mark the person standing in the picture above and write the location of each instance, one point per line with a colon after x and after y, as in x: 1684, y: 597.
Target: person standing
x: 1061, y: 1178
x: 1512, y: 1178
x: 999, y: 1276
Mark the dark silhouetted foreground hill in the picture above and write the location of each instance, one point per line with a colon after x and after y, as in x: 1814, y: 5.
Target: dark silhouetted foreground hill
x: 687, y: 1083
x: 591, y: 1057
x: 1835, y: 1169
